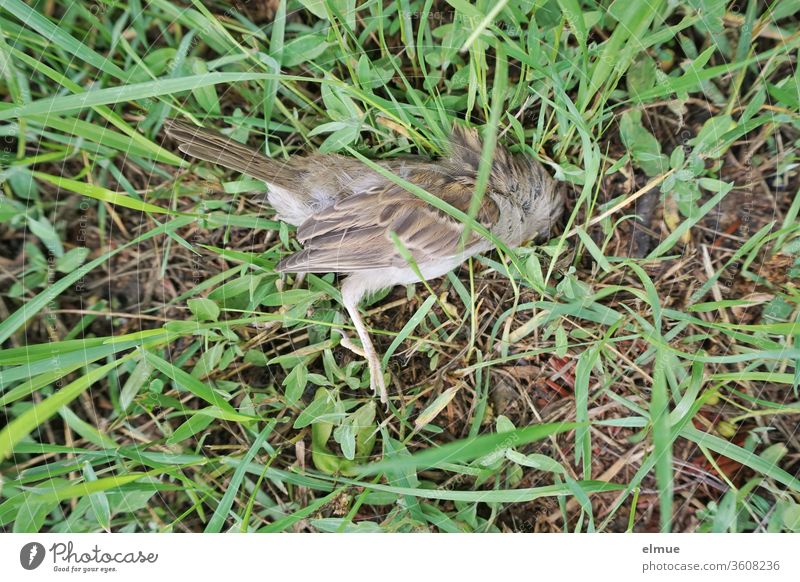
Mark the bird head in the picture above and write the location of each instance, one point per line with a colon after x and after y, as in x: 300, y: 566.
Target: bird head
x: 516, y: 181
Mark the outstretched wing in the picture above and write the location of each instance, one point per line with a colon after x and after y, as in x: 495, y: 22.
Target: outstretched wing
x: 354, y: 234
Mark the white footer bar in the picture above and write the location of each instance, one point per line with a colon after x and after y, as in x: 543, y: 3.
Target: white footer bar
x: 352, y: 557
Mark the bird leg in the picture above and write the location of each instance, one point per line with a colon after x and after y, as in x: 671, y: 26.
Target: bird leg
x: 351, y: 295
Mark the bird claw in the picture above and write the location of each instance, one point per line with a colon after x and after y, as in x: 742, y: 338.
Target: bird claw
x: 376, y: 381
x: 348, y: 343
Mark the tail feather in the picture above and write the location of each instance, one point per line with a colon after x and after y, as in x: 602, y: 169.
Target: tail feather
x: 216, y: 148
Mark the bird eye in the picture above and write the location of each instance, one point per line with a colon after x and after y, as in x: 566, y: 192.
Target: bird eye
x: 526, y: 206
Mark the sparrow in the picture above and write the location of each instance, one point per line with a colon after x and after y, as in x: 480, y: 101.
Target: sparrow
x: 345, y: 212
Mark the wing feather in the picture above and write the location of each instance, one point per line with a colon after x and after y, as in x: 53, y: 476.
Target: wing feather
x: 354, y: 234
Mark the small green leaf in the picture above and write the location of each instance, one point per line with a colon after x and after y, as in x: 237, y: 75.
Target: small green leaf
x: 45, y: 232
x: 191, y: 427
x: 321, y: 406
x: 204, y: 309
x: 503, y: 424
x: 315, y: 7
x: 708, y: 140
x: 677, y: 158
x: 791, y: 517
x: 339, y: 139
x: 535, y: 461
x: 562, y: 342
x: 642, y: 145
x: 98, y: 500
x: 72, y: 259
x: 641, y: 76
x: 207, y: 95
x: 345, y: 435
x: 303, y: 48
x: 295, y: 383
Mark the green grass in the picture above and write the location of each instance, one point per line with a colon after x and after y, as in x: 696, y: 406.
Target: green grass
x: 157, y: 374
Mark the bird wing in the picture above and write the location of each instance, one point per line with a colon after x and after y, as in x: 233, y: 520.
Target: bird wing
x: 354, y: 234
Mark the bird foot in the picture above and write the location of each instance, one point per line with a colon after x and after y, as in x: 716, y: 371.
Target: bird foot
x: 348, y: 343
x: 376, y: 382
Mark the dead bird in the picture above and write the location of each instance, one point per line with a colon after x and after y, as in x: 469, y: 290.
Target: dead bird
x: 345, y: 212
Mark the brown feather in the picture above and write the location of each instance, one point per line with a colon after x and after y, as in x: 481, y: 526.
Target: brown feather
x: 349, y: 211
x: 214, y: 147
